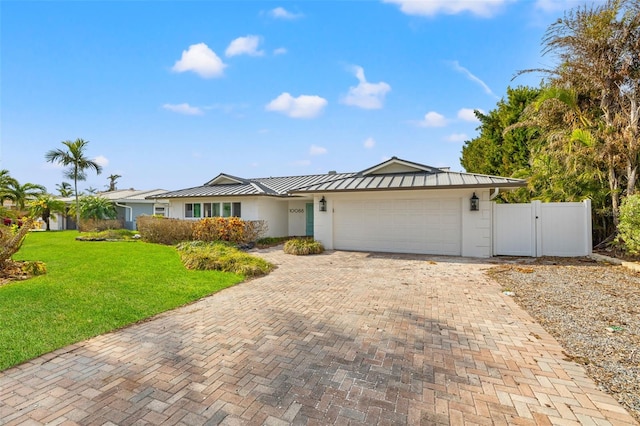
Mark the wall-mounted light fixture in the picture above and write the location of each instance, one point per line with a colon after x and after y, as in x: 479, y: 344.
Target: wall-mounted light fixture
x: 323, y: 204
x: 475, y: 203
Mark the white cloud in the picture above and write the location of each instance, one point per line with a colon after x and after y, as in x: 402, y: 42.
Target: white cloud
x: 317, y: 150
x: 185, y: 109
x: 102, y: 160
x: 245, y: 46
x: 282, y: 13
x: 433, y: 119
x: 484, y: 8
x: 457, y: 137
x: 201, y: 60
x: 467, y: 114
x: 304, y: 106
x: 366, y: 95
x: 280, y: 51
x: 457, y: 67
x: 369, y: 143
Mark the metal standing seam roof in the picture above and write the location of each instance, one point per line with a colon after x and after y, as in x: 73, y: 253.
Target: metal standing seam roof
x: 124, y: 195
x: 416, y: 176
x: 439, y: 180
x: 274, y: 186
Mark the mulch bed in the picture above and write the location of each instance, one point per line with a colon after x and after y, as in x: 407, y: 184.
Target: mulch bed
x: 12, y: 271
x: 592, y: 309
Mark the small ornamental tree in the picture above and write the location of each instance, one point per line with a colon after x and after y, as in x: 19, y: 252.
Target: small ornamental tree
x: 45, y: 206
x: 11, y: 239
x: 96, y: 207
x: 629, y: 226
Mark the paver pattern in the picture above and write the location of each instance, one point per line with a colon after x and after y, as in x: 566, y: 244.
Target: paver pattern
x: 338, y: 338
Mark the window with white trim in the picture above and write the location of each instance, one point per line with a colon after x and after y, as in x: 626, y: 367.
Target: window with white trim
x: 224, y: 209
x: 192, y: 210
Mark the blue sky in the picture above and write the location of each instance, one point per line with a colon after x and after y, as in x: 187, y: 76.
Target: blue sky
x: 171, y: 93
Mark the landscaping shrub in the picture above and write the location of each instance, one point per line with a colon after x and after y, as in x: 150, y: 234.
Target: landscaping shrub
x: 162, y: 230
x: 221, y: 256
x: 231, y: 229
x: 629, y: 227
x: 33, y: 268
x: 98, y: 225
x: 303, y: 246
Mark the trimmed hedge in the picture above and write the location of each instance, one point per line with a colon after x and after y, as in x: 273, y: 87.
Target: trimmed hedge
x: 162, y: 230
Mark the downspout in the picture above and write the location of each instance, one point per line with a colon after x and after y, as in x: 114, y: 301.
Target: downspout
x: 125, y: 215
x: 495, y: 194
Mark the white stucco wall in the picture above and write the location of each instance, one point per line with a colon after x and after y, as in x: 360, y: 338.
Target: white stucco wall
x: 274, y: 211
x: 476, y: 226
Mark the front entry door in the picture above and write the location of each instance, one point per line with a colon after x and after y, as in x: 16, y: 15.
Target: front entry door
x: 309, y: 212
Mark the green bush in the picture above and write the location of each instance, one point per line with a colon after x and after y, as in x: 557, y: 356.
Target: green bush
x: 223, y: 257
x: 629, y: 226
x: 162, y: 230
x: 303, y: 246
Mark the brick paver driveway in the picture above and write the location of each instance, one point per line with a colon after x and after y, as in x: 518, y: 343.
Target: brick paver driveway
x: 340, y: 338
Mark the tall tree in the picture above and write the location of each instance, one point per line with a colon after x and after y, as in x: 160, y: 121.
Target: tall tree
x: 598, y: 52
x: 112, y: 182
x: 64, y: 189
x: 75, y: 159
x: 497, y: 151
x: 22, y: 194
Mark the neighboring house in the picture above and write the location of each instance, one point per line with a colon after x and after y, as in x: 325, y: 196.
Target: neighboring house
x: 395, y: 206
x: 129, y: 203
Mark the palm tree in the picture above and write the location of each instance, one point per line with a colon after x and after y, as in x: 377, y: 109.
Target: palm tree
x: 5, y: 181
x: 44, y: 206
x: 112, y: 182
x: 74, y: 158
x: 21, y: 194
x: 64, y: 189
x: 97, y: 208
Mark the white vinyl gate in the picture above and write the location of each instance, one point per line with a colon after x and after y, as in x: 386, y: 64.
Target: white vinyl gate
x: 542, y: 229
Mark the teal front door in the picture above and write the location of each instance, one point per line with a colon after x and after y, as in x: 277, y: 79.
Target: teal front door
x: 309, y: 212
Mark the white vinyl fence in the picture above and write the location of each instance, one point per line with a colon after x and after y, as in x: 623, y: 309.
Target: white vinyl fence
x: 542, y: 229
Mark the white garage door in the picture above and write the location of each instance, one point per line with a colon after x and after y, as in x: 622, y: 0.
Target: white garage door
x: 399, y: 226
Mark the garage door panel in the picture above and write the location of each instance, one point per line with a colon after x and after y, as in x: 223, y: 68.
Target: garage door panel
x: 401, y: 225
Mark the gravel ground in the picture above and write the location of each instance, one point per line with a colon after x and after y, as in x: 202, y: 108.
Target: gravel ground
x: 592, y: 309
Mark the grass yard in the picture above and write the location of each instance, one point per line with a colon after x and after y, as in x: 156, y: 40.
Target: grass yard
x: 91, y: 288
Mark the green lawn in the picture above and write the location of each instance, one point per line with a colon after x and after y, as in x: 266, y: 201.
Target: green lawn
x: 91, y: 288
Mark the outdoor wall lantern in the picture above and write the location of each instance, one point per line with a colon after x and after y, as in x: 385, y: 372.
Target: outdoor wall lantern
x: 323, y: 204
x: 475, y: 203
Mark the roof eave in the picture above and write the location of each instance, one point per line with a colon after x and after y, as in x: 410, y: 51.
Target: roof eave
x: 510, y: 185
